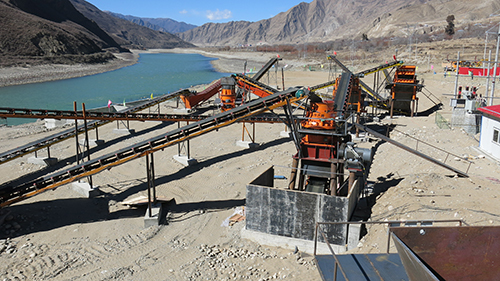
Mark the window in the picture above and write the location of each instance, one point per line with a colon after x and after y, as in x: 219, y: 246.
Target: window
x: 495, y: 136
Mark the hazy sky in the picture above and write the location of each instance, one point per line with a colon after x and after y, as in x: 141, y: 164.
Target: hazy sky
x: 198, y: 12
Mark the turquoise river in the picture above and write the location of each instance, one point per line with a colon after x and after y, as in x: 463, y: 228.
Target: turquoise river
x: 155, y: 74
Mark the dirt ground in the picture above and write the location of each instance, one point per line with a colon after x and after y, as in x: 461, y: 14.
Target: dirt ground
x: 59, y: 236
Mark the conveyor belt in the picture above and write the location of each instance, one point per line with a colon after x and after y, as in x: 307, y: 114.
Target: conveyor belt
x: 12, y: 194
x: 342, y: 94
x: 191, y: 100
x: 265, y: 68
x: 380, y: 68
x: 53, y: 139
x: 322, y: 86
x: 371, y: 93
x: 258, y: 88
x: 361, y: 74
x: 90, y: 115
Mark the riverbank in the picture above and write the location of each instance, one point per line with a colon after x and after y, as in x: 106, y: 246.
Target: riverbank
x: 225, y: 63
x: 10, y: 76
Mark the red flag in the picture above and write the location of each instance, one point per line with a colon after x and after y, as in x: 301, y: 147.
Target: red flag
x: 109, y: 103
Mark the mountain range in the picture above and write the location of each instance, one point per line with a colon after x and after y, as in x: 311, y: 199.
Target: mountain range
x: 326, y: 20
x: 128, y: 34
x: 159, y: 24
x: 64, y: 31
x: 69, y: 31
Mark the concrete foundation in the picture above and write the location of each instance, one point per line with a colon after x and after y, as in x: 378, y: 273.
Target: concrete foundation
x: 285, y: 134
x: 53, y: 123
x: 354, y: 236
x: 154, y: 219
x: 469, y: 122
x: 120, y: 108
x: 289, y: 243
x: 85, y: 189
x: 293, y: 214
x: 124, y: 131
x: 184, y: 160
x: 42, y: 161
x: 247, y: 144
x: 92, y: 142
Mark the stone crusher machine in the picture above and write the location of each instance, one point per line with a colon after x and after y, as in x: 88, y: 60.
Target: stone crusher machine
x: 325, y: 144
x: 318, y: 190
x: 404, y: 90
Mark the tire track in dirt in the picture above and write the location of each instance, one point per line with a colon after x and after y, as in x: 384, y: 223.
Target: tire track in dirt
x: 49, y: 261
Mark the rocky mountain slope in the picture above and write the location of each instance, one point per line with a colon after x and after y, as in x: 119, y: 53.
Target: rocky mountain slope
x: 127, y: 33
x: 324, y: 20
x: 51, y: 31
x: 159, y: 24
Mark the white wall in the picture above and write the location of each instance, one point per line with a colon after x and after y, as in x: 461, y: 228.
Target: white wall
x: 486, y: 142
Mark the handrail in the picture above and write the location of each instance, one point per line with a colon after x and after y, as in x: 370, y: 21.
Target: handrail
x: 440, y: 149
x: 411, y: 150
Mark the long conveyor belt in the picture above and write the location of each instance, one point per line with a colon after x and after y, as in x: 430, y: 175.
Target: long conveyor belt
x: 371, y: 93
x: 108, y: 116
x: 66, y: 134
x: 265, y: 68
x: 254, y: 85
x: 362, y: 73
x: 12, y: 194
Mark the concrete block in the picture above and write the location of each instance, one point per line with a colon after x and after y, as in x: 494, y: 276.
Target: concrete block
x: 42, y: 161
x: 294, y: 214
x: 85, y: 189
x: 123, y: 131
x: 92, y: 142
x: 54, y: 123
x: 154, y: 219
x: 182, y: 111
x: 285, y: 134
x: 184, y: 160
x: 120, y: 108
x: 247, y: 144
x: 289, y: 243
x: 354, y: 232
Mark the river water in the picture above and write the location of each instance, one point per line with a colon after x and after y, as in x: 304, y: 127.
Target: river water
x: 155, y: 74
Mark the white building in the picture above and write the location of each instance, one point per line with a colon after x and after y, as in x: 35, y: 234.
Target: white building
x: 489, y: 140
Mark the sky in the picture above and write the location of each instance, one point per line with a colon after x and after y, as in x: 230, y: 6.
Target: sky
x: 198, y: 12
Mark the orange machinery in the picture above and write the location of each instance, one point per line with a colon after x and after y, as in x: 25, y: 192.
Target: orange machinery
x: 324, y: 138
x: 404, y: 90
x: 227, y: 90
x: 192, y: 99
x: 228, y: 93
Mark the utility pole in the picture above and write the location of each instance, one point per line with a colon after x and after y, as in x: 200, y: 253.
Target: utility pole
x: 456, y: 75
x: 488, y: 75
x: 495, y: 69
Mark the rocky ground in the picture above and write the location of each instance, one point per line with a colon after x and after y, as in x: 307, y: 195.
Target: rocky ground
x: 59, y: 236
